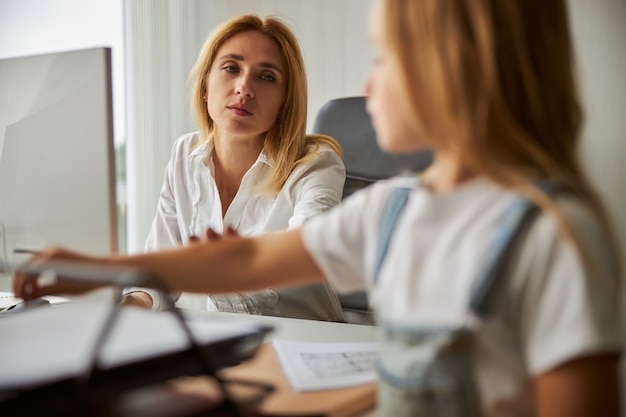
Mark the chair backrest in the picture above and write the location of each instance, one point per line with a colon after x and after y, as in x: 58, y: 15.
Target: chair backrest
x: 346, y: 120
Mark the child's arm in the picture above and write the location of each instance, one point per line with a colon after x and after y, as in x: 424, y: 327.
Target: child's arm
x: 233, y: 264
x: 585, y: 387
x: 228, y: 264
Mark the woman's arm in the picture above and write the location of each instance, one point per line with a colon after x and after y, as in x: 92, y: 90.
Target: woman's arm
x: 229, y: 264
x: 585, y: 387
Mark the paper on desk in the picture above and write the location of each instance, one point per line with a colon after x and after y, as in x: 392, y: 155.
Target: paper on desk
x: 317, y: 366
x: 47, y: 344
x: 7, y: 299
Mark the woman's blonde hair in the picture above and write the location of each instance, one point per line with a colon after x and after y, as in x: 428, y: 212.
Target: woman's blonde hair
x: 286, y: 143
x: 493, y: 82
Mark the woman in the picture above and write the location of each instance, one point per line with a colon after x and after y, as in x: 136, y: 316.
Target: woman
x: 489, y: 85
x: 251, y: 167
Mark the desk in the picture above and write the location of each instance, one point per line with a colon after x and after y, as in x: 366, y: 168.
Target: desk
x: 306, y: 331
x: 284, y: 328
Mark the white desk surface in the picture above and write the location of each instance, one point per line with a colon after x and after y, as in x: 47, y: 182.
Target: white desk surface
x: 307, y: 331
x: 304, y: 330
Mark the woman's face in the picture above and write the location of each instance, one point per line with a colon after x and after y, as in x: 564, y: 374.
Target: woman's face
x: 246, y: 85
x: 396, y: 128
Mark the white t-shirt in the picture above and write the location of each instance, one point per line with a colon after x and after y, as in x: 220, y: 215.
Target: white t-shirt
x: 189, y: 204
x: 547, y: 312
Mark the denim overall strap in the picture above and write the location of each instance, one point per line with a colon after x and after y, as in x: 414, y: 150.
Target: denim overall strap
x: 395, y: 204
x: 516, y: 218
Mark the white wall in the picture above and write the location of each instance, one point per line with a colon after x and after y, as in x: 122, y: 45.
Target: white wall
x: 599, y: 31
x: 160, y: 50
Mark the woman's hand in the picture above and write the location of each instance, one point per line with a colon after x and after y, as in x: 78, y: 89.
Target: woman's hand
x: 29, y: 286
x: 139, y: 299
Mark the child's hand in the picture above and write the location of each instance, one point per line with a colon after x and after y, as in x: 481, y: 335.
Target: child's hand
x: 30, y: 286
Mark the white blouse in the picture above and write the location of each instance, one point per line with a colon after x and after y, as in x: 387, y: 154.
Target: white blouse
x: 189, y: 202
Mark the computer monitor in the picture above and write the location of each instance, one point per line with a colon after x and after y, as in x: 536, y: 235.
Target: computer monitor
x: 57, y: 166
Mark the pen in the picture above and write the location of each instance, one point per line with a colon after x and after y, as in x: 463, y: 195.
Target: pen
x: 29, y: 251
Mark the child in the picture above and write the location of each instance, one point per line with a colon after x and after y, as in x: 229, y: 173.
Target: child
x: 488, y: 84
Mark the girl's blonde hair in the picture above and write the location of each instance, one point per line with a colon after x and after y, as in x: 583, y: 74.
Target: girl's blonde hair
x: 494, y: 82
x: 286, y: 143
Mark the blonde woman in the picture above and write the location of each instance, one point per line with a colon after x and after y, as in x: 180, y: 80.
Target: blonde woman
x: 250, y: 167
x: 489, y: 85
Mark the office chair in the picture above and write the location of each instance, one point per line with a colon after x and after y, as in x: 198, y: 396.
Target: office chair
x: 346, y: 120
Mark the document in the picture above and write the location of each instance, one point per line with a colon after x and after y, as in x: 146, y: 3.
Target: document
x: 7, y: 299
x: 318, y: 366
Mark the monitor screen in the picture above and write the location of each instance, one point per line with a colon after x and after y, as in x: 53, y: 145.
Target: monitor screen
x: 57, y: 166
